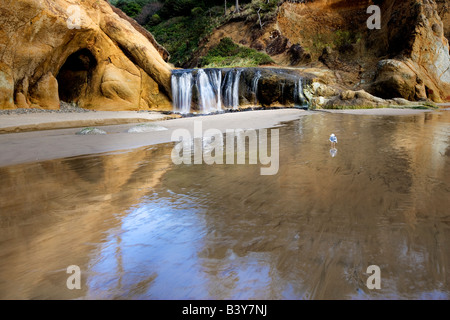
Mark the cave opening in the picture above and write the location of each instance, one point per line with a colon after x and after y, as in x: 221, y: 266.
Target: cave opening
x: 75, y: 75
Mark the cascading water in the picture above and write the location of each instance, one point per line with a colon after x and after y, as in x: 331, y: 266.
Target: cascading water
x: 236, y: 89
x: 182, y: 91
x: 299, y: 97
x: 207, y: 85
x: 230, y: 88
x: 215, y: 78
x: 282, y: 85
x: 213, y: 90
x: 255, y: 83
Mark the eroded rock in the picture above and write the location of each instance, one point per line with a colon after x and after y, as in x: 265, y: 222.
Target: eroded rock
x: 421, y: 68
x: 84, y: 52
x: 6, y: 87
x: 45, y: 92
x: 298, y: 55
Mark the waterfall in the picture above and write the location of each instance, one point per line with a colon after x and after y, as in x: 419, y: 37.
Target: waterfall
x: 299, y: 97
x: 237, y: 77
x: 206, y: 82
x: 207, y: 91
x: 182, y: 91
x: 230, y: 88
x: 208, y: 87
x: 282, y: 85
x: 215, y: 77
x: 255, y: 83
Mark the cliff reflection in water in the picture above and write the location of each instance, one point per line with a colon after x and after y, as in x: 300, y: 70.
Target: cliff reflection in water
x: 140, y: 227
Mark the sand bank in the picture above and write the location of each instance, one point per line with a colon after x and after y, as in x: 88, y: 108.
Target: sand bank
x: 54, y: 142
x: 34, y: 146
x: 49, y: 121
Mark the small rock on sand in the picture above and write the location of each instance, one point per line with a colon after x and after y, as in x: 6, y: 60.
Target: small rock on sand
x: 90, y: 131
x: 146, y: 127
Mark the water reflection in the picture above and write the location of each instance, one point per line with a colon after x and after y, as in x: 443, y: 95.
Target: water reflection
x: 142, y: 228
x: 333, y: 152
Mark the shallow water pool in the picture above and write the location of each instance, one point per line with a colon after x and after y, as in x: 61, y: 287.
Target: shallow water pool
x: 140, y: 227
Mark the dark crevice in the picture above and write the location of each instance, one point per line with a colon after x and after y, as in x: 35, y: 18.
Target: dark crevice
x: 75, y: 75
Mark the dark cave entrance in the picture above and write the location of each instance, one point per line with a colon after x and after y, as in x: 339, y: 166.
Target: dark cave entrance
x: 75, y: 75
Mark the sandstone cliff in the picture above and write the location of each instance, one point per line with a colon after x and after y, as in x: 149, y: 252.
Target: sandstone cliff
x: 417, y: 51
x: 407, y: 58
x: 78, y: 51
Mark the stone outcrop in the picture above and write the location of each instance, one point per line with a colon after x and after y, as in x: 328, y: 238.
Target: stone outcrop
x: 298, y: 55
x: 443, y: 8
x: 90, y: 53
x: 407, y: 58
x: 6, y: 87
x: 321, y: 96
x: 420, y: 63
x: 79, y: 51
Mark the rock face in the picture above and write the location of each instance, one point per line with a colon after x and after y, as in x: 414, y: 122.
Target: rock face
x: 444, y: 12
x: 407, y: 58
x: 79, y: 51
x: 420, y: 67
x: 6, y: 87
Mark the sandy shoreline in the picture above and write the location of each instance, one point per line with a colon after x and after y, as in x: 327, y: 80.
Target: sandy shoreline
x: 49, y: 121
x: 23, y: 147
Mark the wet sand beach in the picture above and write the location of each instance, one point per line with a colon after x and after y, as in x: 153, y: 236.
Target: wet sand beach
x: 46, y: 136
x: 140, y: 227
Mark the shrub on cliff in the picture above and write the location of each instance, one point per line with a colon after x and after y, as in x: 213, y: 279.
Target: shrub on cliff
x: 229, y: 54
x: 131, y: 8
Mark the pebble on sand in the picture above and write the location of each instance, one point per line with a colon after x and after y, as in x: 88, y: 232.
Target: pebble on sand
x: 90, y: 131
x: 146, y: 127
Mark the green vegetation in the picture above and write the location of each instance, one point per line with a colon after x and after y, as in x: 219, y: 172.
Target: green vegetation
x: 154, y: 20
x: 320, y: 42
x: 181, y: 25
x: 341, y: 40
x: 344, y: 39
x: 131, y: 7
x: 429, y: 105
x: 420, y: 107
x: 351, y: 107
x: 229, y: 54
x: 423, y: 106
x: 260, y: 11
x: 181, y: 35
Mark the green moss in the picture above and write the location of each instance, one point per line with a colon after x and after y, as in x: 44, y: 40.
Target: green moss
x: 320, y: 42
x: 229, y: 54
x: 425, y: 106
x: 430, y: 105
x: 342, y: 40
x: 341, y: 107
x: 345, y: 38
